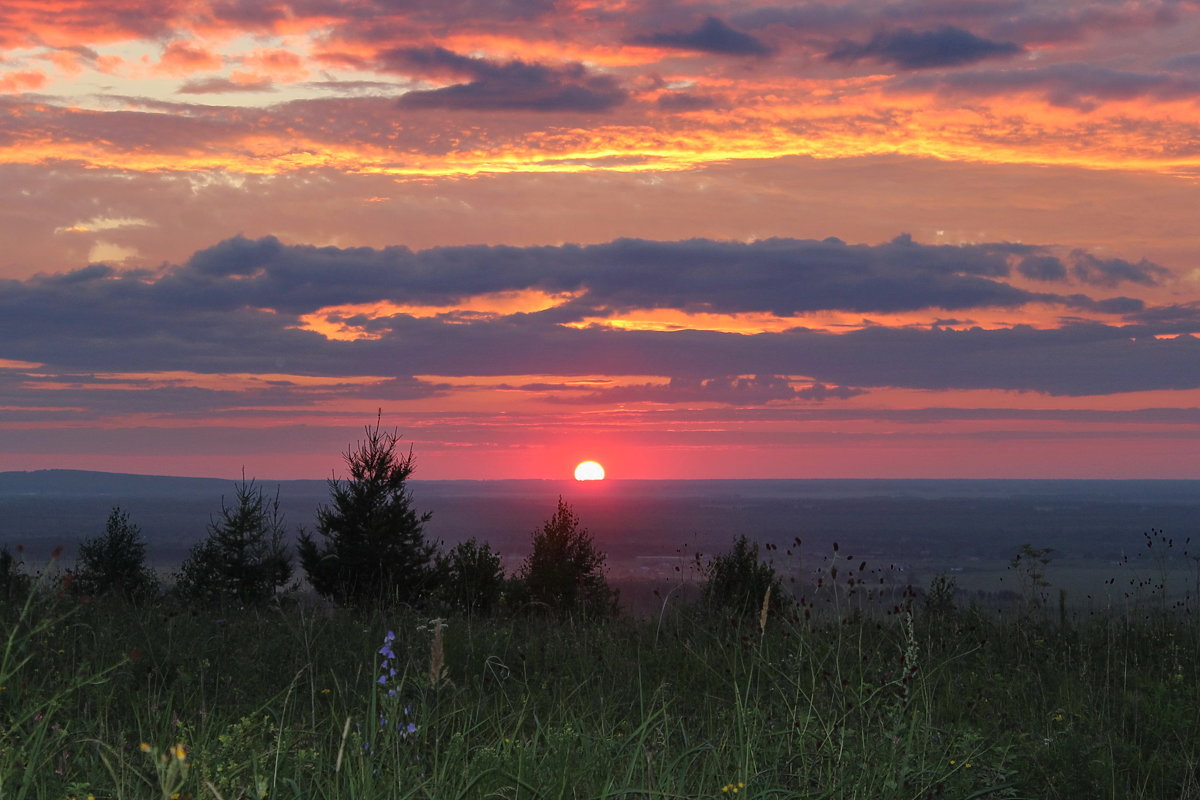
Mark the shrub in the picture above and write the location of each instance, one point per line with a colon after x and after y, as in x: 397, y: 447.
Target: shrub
x: 738, y: 581
x: 474, y: 579
x: 372, y: 547
x: 115, y: 562
x: 565, y: 570
x: 245, y: 556
x: 939, y: 598
x: 14, y: 583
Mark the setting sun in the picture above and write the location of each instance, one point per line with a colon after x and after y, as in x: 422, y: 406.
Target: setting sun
x: 589, y: 471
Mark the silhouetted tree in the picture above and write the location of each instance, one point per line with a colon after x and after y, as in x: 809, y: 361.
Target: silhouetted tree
x: 565, y: 571
x: 245, y: 556
x: 14, y: 584
x: 372, y: 549
x: 115, y: 562
x: 737, y: 580
x: 473, y: 577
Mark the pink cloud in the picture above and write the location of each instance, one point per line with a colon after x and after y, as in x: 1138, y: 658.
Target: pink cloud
x: 183, y: 58
x: 22, y: 81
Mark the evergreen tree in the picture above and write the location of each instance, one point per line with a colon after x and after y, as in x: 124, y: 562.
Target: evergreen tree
x: 245, y: 557
x: 115, y: 562
x: 565, y: 571
x: 372, y: 548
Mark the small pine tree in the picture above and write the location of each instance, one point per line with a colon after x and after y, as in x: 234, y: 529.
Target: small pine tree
x: 565, y: 570
x: 373, y: 549
x: 738, y: 581
x: 115, y: 563
x: 245, y: 557
x: 474, y: 579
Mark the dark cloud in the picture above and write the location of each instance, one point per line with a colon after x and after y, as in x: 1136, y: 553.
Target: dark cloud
x: 729, y: 390
x: 358, y: 87
x: 1042, y: 268
x: 223, y: 85
x: 687, y: 101
x: 1109, y: 305
x: 252, y: 13
x: 236, y: 308
x: 508, y: 86
x: 1181, y: 318
x: 712, y: 36
x: 1109, y: 272
x: 947, y: 46
x: 782, y: 276
x: 1081, y: 86
x: 1189, y: 63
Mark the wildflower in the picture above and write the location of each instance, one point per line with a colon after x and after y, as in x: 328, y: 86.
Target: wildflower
x: 179, y: 752
x: 144, y: 747
x: 387, y: 667
x: 386, y: 651
x: 325, y: 691
x: 1058, y: 717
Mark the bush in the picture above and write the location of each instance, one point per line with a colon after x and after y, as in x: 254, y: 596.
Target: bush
x: 738, y: 581
x: 14, y: 583
x: 115, y: 562
x: 565, y: 570
x: 474, y: 579
x: 373, y: 547
x: 245, y: 556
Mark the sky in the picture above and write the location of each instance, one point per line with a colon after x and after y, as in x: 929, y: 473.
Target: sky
x: 845, y: 239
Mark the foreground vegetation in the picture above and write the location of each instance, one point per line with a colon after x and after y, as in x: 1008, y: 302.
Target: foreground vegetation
x: 108, y: 699
x: 412, y: 672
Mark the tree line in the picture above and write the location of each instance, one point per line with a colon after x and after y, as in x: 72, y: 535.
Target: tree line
x: 369, y: 549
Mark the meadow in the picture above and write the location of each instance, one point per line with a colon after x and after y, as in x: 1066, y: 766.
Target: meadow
x: 915, y: 697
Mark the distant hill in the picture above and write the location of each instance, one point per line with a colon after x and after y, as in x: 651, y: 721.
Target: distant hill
x: 888, y: 520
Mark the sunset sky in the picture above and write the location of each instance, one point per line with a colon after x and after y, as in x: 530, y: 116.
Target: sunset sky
x: 747, y: 239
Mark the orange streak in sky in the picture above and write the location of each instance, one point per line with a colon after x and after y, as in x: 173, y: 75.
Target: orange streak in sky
x: 800, y: 124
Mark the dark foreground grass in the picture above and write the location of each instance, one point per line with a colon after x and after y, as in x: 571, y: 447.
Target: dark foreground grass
x: 110, y: 701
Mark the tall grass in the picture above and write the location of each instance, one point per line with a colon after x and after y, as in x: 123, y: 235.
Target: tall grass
x: 109, y: 700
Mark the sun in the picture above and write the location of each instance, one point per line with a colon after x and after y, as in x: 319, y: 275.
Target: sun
x: 589, y: 471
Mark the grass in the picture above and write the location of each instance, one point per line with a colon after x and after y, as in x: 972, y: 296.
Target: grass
x: 111, y: 701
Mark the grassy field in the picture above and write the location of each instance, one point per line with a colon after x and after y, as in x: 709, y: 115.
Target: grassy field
x: 104, y: 700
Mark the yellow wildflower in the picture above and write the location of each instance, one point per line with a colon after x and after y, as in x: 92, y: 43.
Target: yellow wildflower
x: 144, y: 747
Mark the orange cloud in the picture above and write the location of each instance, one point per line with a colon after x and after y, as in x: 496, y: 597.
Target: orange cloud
x: 277, y: 65
x: 23, y: 81
x: 184, y: 58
